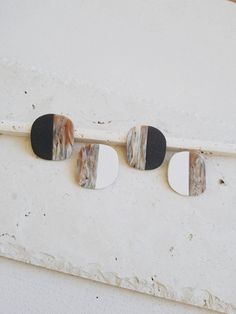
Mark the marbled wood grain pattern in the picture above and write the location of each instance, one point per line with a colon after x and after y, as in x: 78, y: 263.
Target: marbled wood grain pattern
x: 87, y: 163
x: 197, y: 174
x: 63, y: 137
x: 136, y: 147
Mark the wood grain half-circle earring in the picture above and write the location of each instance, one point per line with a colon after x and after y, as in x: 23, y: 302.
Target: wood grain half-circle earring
x: 97, y: 166
x: 146, y: 147
x: 52, y: 137
x: 187, y: 173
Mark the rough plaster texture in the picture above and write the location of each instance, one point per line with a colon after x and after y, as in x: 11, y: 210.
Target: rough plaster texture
x: 27, y: 289
x: 150, y: 240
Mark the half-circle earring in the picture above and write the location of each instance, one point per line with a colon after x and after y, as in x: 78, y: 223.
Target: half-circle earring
x: 52, y: 137
x: 97, y: 166
x: 146, y: 147
x: 187, y: 173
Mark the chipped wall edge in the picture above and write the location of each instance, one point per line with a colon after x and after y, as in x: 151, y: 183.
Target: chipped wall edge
x: 197, y: 297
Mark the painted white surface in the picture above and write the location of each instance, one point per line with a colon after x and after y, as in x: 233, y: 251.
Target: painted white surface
x: 178, y: 173
x: 168, y: 64
x: 108, y: 166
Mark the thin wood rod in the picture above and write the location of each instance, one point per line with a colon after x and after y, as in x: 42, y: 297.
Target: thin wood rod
x: 115, y: 138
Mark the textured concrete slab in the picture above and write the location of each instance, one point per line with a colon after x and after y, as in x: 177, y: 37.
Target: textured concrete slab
x: 136, y: 234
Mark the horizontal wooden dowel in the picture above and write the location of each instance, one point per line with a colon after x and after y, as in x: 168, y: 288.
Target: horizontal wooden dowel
x: 116, y: 138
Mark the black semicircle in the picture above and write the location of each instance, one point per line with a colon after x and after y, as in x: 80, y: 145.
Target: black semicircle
x: 42, y: 136
x: 156, y: 148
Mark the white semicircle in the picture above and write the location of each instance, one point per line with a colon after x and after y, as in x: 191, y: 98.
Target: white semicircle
x: 107, y: 166
x: 178, y: 173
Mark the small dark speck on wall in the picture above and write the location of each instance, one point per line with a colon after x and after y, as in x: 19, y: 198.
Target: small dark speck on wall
x: 190, y: 237
x: 101, y: 122
x: 221, y: 181
x: 97, y: 298
x: 8, y: 235
x: 171, y: 249
x: 33, y: 106
x: 25, y: 92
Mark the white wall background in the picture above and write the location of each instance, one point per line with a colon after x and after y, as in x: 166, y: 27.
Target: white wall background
x: 178, y: 55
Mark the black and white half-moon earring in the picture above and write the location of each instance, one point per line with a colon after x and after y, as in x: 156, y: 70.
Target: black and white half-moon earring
x: 97, y: 166
x: 146, y: 147
x: 52, y: 137
x: 187, y: 173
